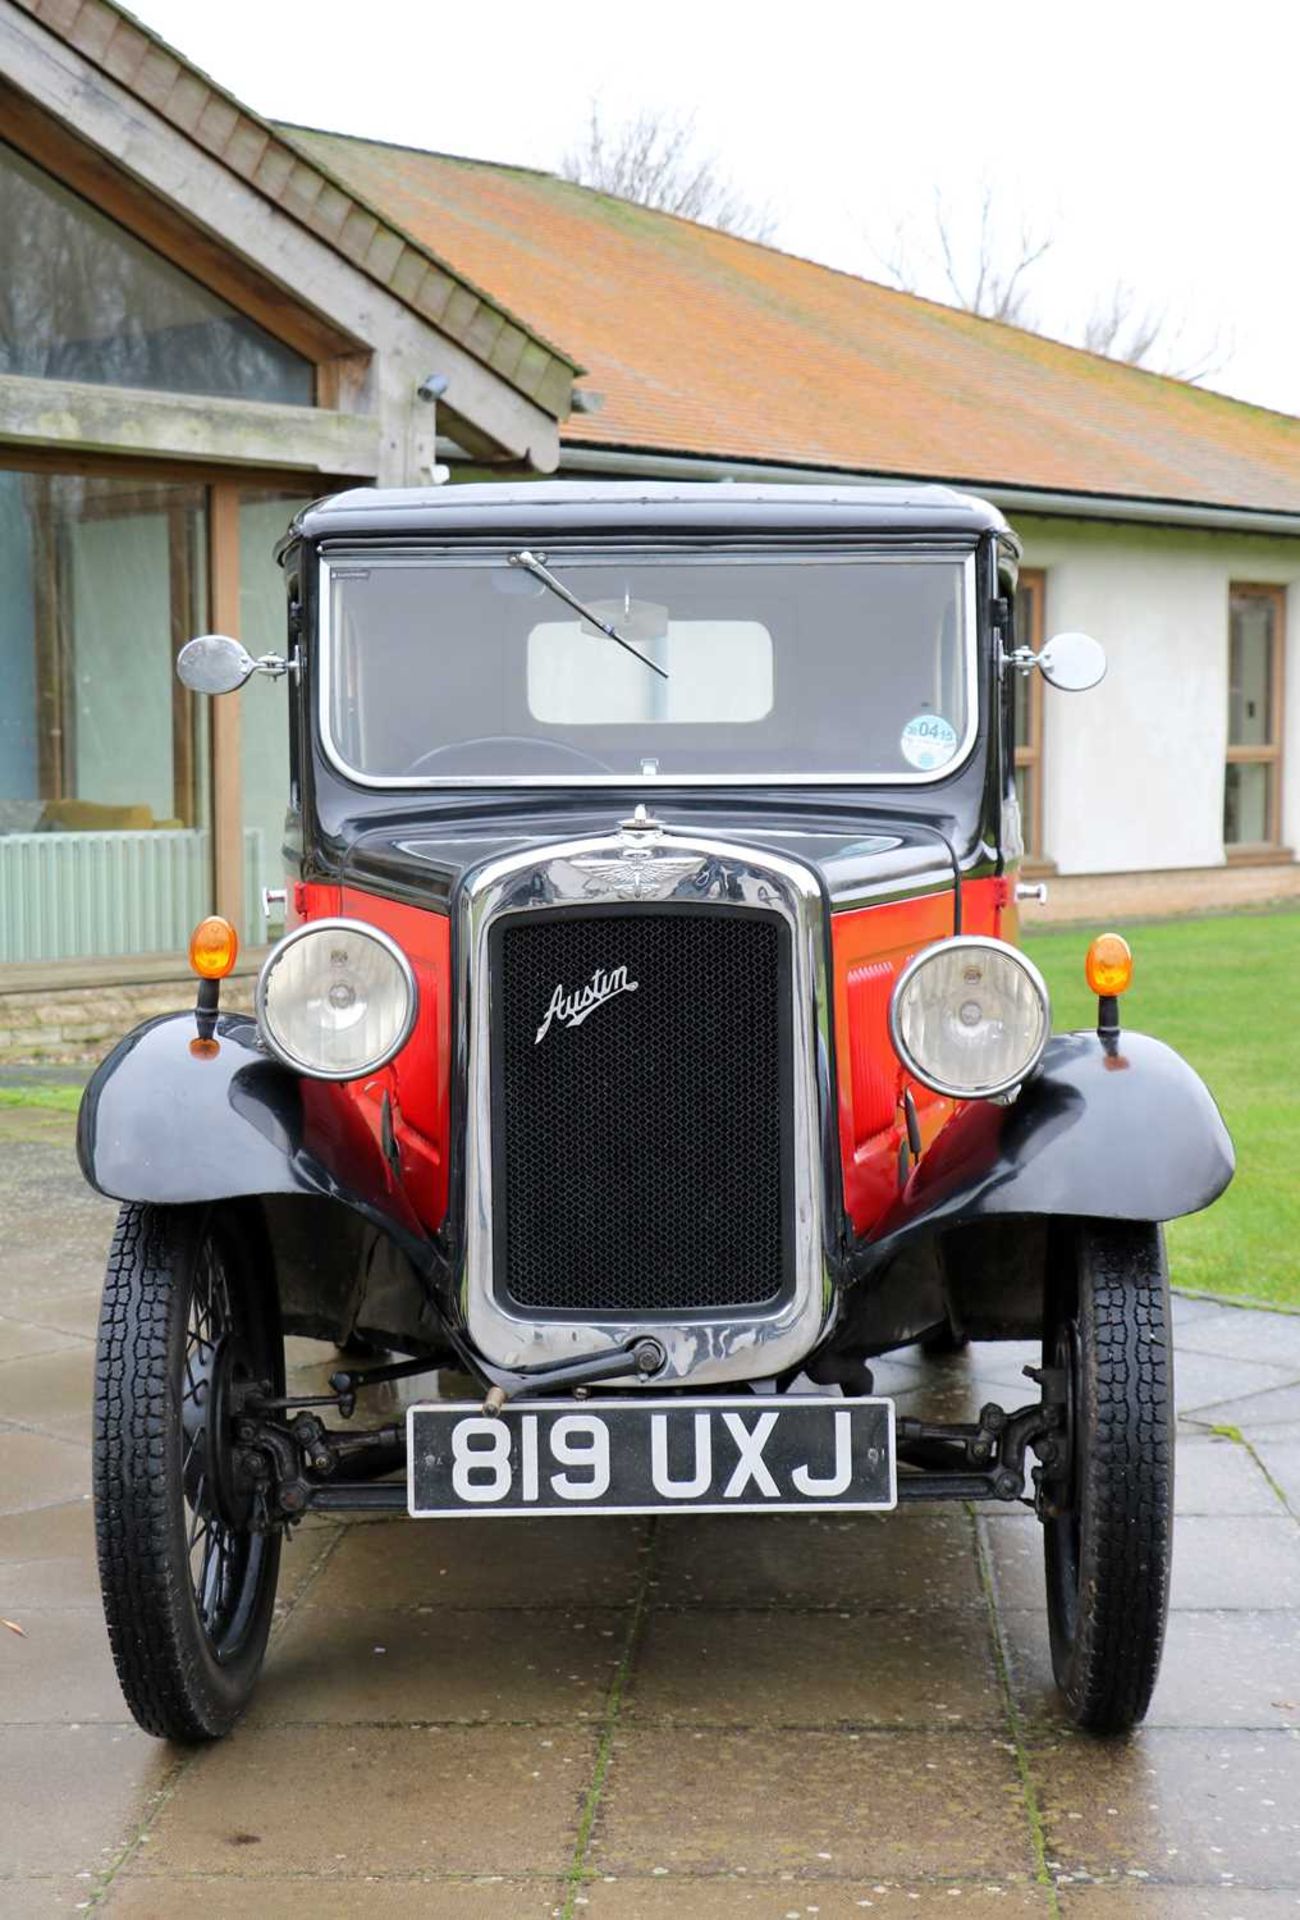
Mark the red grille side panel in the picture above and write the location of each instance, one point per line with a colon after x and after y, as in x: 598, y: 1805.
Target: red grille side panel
x: 418, y: 1081
x: 874, y: 1073
x: 870, y: 946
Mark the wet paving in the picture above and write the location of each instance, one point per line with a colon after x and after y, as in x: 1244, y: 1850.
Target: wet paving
x: 745, y: 1717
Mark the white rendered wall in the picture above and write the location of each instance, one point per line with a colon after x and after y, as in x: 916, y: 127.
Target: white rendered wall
x: 1133, y: 771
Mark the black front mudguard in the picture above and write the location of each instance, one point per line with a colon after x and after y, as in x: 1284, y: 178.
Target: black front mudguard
x: 168, y: 1121
x: 1113, y: 1127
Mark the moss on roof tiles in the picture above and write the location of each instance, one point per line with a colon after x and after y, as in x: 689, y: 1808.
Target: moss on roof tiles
x: 704, y: 343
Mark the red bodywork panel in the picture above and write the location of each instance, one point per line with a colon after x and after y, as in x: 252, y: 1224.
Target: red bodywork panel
x: 418, y: 1081
x: 870, y: 946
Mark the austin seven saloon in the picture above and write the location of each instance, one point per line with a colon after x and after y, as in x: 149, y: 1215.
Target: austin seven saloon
x: 649, y: 1049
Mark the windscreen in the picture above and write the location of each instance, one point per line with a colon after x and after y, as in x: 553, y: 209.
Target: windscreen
x: 672, y: 667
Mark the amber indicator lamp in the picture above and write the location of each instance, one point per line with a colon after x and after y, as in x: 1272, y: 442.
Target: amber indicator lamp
x: 214, y: 949
x: 1108, y: 969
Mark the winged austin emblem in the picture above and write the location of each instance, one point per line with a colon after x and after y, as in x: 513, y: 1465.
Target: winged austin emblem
x: 637, y: 874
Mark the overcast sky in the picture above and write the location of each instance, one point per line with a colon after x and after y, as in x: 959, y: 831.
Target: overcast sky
x: 1155, y: 142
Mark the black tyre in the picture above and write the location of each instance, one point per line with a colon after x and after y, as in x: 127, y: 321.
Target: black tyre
x: 189, y: 1313
x: 1109, y: 1522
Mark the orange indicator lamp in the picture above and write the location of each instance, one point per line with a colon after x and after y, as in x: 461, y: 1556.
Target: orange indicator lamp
x: 214, y: 948
x: 1109, y: 965
x: 1109, y: 972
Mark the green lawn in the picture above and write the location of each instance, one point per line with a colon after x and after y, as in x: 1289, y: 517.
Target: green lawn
x: 1226, y: 993
x: 51, y: 1099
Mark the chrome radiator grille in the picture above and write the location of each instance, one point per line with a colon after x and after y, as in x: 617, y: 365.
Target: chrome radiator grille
x: 641, y: 1096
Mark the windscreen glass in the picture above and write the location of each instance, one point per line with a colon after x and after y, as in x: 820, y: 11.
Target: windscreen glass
x: 744, y: 667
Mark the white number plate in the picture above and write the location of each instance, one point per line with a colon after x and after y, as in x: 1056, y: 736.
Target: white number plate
x: 743, y: 1455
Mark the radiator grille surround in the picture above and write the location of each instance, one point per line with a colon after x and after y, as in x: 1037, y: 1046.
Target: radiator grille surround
x: 642, y: 1150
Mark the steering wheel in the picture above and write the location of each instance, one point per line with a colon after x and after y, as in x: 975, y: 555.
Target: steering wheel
x: 472, y: 751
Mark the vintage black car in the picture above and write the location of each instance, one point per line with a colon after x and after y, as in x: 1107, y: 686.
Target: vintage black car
x: 650, y: 1048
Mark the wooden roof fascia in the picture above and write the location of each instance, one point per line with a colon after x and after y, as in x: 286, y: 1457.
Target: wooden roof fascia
x: 87, y: 171
x: 308, y: 192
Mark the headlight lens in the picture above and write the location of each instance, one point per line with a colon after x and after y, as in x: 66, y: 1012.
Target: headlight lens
x: 336, y: 999
x: 970, y: 1017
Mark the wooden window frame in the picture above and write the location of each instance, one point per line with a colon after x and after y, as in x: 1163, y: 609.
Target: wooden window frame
x: 341, y: 362
x: 1029, y: 753
x: 224, y: 489
x: 1269, y: 755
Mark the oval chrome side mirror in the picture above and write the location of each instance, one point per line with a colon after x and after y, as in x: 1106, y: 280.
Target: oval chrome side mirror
x: 1072, y: 661
x: 214, y: 663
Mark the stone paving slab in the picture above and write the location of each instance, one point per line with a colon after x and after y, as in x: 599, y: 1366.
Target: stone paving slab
x: 37, y: 1470
x: 1203, y: 1806
x: 487, y: 1563
x: 1220, y: 1561
x: 1135, y: 1900
x: 1227, y: 1331
x: 1280, y: 1460
x: 735, y: 1898
x: 906, y: 1559
x: 441, y: 1664
x: 224, y: 1897
x: 1274, y: 1413
x: 51, y: 1392
x: 352, y: 1801
x: 712, y: 1717
x: 816, y: 1670
x: 73, y: 1796
x: 877, y: 1804
x: 19, y: 1338
x: 1219, y: 1670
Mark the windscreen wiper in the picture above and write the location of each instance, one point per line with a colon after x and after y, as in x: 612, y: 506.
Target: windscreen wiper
x: 531, y: 563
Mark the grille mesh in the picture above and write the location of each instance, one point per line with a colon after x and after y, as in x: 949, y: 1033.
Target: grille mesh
x: 639, y: 1154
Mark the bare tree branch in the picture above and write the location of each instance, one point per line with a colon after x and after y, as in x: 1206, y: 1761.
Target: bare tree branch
x: 1122, y: 329
x: 655, y: 160
x: 987, y: 274
x: 986, y: 264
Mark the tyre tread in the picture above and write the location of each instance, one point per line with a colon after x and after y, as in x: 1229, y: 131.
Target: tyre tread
x: 1128, y: 1477
x: 153, y: 1630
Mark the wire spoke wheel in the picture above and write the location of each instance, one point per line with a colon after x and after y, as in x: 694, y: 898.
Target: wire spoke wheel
x: 187, y: 1566
x: 1108, y: 1506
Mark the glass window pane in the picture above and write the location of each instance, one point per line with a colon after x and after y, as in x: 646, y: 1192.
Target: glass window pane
x: 1246, y: 804
x: 104, y: 843
x: 264, y: 703
x: 1250, y: 670
x: 83, y: 299
x: 718, y: 670
x: 450, y: 670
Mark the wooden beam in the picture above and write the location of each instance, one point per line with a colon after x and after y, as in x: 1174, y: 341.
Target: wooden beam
x: 227, y: 782
x: 75, y: 415
x: 49, y: 635
x: 180, y: 583
x: 48, y: 460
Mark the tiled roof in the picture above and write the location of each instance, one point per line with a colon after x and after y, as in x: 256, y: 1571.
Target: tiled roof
x: 302, y: 185
x: 708, y: 345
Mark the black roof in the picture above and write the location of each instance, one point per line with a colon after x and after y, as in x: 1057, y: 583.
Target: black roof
x: 537, y: 507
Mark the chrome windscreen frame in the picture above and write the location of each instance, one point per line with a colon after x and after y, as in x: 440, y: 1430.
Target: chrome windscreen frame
x: 644, y: 863
x: 652, y: 781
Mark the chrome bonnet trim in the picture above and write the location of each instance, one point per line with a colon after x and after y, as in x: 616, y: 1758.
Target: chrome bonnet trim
x: 641, y: 863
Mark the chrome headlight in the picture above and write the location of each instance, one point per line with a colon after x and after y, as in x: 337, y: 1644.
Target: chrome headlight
x: 970, y: 1017
x: 336, y: 999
